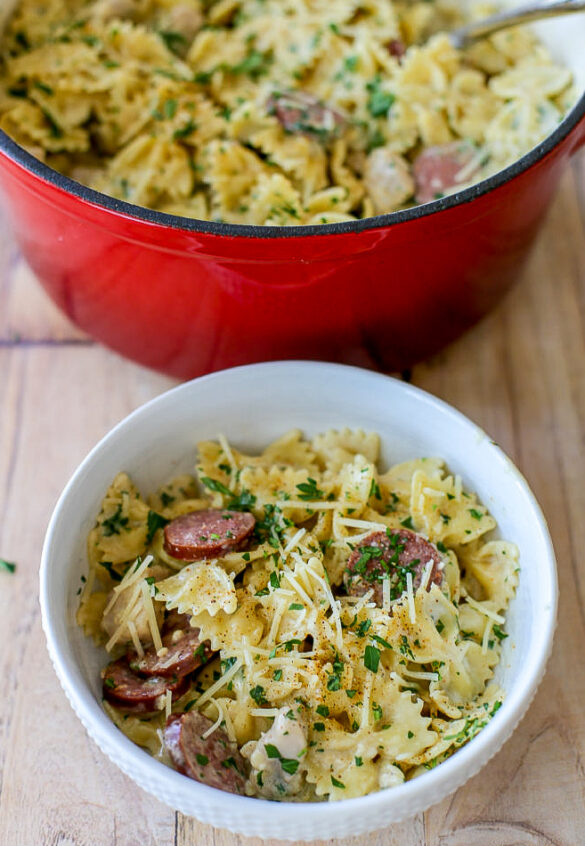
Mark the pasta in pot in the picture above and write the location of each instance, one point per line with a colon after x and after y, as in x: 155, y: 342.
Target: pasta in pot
x: 272, y: 112
x: 311, y: 628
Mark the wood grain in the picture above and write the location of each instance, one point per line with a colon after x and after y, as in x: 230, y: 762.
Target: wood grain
x: 27, y: 315
x: 519, y: 375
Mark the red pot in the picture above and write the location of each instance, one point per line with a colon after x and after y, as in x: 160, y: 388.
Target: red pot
x: 187, y: 297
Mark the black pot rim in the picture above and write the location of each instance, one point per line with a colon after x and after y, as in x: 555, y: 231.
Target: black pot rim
x: 30, y: 163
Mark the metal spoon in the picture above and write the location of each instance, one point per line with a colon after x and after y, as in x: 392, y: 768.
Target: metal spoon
x: 465, y: 36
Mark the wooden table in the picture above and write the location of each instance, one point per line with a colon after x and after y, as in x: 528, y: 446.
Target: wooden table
x: 520, y: 375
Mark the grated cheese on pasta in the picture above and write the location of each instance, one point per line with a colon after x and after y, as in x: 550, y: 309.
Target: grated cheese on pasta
x: 388, y: 669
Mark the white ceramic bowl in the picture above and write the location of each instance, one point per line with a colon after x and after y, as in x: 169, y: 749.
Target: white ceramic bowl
x: 252, y: 405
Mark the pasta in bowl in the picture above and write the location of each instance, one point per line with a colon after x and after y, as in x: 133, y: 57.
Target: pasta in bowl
x: 273, y: 112
x: 254, y: 406
x: 328, y: 629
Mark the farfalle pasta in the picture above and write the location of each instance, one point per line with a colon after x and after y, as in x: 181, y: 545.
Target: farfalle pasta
x: 272, y: 112
x: 300, y: 625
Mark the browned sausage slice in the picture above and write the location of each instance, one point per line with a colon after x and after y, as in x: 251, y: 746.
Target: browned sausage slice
x: 440, y: 169
x: 185, y: 653
x: 214, y: 760
x: 299, y: 112
x: 396, y: 48
x: 125, y: 689
x: 391, y: 554
x: 207, y: 534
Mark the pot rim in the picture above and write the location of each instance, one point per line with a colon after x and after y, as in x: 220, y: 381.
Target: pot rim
x: 37, y: 168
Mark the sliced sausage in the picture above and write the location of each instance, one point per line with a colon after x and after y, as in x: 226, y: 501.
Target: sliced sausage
x: 207, y: 534
x: 126, y: 689
x: 214, y: 760
x: 440, y: 169
x: 184, y: 653
x: 391, y: 554
x: 396, y: 48
x: 301, y: 113
x: 388, y: 180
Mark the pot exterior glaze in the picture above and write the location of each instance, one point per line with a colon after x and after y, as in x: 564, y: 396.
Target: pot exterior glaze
x: 187, y: 301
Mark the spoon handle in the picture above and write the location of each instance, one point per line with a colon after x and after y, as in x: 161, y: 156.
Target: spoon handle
x: 466, y: 35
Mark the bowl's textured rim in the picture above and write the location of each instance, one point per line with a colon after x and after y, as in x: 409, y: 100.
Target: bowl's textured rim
x: 316, y: 818
x: 89, y: 196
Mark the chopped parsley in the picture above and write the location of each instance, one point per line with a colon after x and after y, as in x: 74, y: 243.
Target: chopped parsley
x: 242, y: 502
x: 215, y: 485
x: 270, y: 528
x: 258, y: 695
x: 107, y: 565
x: 155, y: 521
x: 174, y: 41
x: 379, y: 102
x: 115, y: 523
x: 405, y: 647
x: 184, y: 132
x: 337, y: 783
x: 372, y: 658
x: 363, y: 627
x: 289, y: 765
x: 308, y: 490
x: 334, y: 678
x: 201, y: 653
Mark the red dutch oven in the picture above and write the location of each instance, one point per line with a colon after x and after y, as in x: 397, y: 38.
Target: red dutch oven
x: 187, y: 297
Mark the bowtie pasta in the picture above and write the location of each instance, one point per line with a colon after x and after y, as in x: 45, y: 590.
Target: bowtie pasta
x: 299, y: 625
x: 272, y: 112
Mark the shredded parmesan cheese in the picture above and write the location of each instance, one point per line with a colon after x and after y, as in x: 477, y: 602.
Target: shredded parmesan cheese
x: 217, y: 723
x: 486, y: 636
x: 150, y: 615
x: 229, y: 674
x: 133, y: 574
x: 365, y: 716
x: 361, y: 524
x: 287, y: 574
x: 293, y: 542
x: 386, y: 593
x: 410, y: 595
x: 231, y: 460
x: 334, y: 607
x: 135, y: 639
x: 264, y: 712
x: 132, y: 610
x: 426, y: 575
x: 497, y: 618
x: 309, y: 504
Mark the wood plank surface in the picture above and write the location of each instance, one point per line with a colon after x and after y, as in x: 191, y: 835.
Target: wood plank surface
x: 519, y: 375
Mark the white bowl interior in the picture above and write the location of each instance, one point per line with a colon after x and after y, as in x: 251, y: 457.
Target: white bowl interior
x: 252, y: 405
